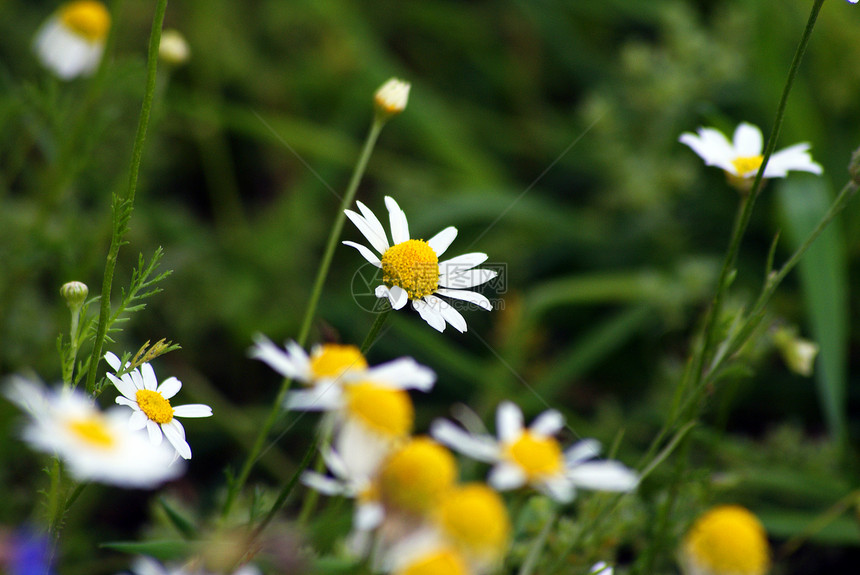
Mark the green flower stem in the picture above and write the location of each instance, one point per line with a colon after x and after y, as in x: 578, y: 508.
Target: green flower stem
x: 122, y: 209
x: 239, y: 482
x: 372, y: 335
x: 537, y: 546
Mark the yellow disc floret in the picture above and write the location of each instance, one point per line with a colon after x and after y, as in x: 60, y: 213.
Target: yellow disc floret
x: 413, y: 266
x: 538, y: 456
x: 414, y: 477
x: 442, y: 562
x: 91, y: 431
x: 331, y: 360
x: 87, y: 18
x: 747, y: 165
x: 475, y: 519
x: 383, y: 409
x: 154, y: 405
x: 727, y: 540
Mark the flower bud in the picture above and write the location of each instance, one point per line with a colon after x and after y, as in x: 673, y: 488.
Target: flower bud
x: 75, y: 293
x: 173, y: 48
x: 798, y: 353
x: 390, y: 99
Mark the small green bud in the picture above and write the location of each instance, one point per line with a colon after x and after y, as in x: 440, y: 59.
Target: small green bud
x: 75, y: 293
x: 390, y: 99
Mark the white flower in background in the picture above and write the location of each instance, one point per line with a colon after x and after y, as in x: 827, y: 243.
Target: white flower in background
x: 742, y: 157
x: 150, y: 404
x: 147, y: 566
x: 94, y: 445
x: 173, y: 48
x: 71, y: 42
x: 601, y: 568
x: 331, y: 365
x: 531, y: 456
x: 726, y: 540
x: 412, y: 271
x: 390, y: 99
x: 423, y: 553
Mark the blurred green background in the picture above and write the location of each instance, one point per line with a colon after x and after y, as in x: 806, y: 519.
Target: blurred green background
x: 545, y: 131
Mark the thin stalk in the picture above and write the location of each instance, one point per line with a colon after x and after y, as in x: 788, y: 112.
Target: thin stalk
x: 239, y: 482
x: 378, y: 323
x: 122, y: 209
x: 537, y: 546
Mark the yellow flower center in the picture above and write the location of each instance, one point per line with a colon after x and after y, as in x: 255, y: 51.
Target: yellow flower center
x: 331, y: 360
x: 728, y: 539
x: 385, y: 410
x: 444, y: 562
x: 417, y: 475
x: 747, y: 166
x: 92, y: 431
x: 154, y: 406
x: 86, y: 18
x: 537, y: 456
x: 413, y: 266
x: 476, y: 520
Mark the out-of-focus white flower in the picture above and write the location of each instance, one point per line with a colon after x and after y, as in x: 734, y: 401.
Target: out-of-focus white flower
x: 150, y: 404
x: 331, y: 365
x: 726, y: 540
x: 173, y: 48
x: 601, y: 568
x: 71, y: 42
x: 391, y: 98
x: 532, y: 456
x: 741, y: 158
x: 799, y: 353
x: 148, y: 566
x: 95, y: 445
x: 412, y: 271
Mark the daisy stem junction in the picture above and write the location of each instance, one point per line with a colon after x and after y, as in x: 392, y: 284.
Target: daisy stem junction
x: 122, y: 208
x: 238, y: 483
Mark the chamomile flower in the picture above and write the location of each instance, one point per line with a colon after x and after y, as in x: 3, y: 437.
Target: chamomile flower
x: 474, y: 520
x: 71, y: 42
x: 415, y: 477
x: 391, y: 98
x: 532, y: 456
x: 150, y: 404
x: 95, y: 445
x: 726, y: 540
x: 411, y: 270
x: 329, y: 366
x: 741, y: 158
x: 424, y: 553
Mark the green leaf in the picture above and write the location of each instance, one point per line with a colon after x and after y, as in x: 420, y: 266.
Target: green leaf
x: 823, y: 276
x: 164, y: 550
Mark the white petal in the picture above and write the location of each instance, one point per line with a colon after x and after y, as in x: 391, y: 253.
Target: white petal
x: 275, y: 357
x: 747, y: 140
x: 506, y: 476
x: 192, y: 410
x: 169, y: 387
x: 509, y: 421
x: 480, y: 447
x: 175, y: 434
x: 368, y: 516
x: 468, y: 279
x: 399, y: 225
x: 122, y: 400
x: 460, y: 264
x: 154, y: 431
x: 472, y: 297
x: 373, y: 222
x: 376, y: 239
x: 603, y: 476
x: 442, y: 240
x: 113, y: 360
x: 398, y: 297
x: 323, y: 397
x: 547, y: 423
x: 559, y: 488
x: 137, y: 420
x: 432, y: 316
x: 402, y: 373
x: 711, y: 145
x: 366, y: 253
x: 150, y: 382
x: 450, y: 315
x: 323, y: 484
x: 795, y: 158
x: 124, y: 386
x: 582, y: 451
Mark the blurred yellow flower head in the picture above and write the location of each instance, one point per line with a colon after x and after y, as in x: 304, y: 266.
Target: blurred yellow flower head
x: 726, y: 540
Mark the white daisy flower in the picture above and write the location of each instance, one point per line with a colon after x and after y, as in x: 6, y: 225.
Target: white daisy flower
x: 150, y: 404
x: 71, y: 42
x: 144, y: 565
x: 329, y: 366
x: 424, y: 552
x: 531, y: 456
x: 741, y: 158
x: 94, y: 445
x: 412, y: 271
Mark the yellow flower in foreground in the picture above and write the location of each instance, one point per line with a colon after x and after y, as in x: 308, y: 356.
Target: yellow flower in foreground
x: 727, y: 540
x: 71, y: 42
